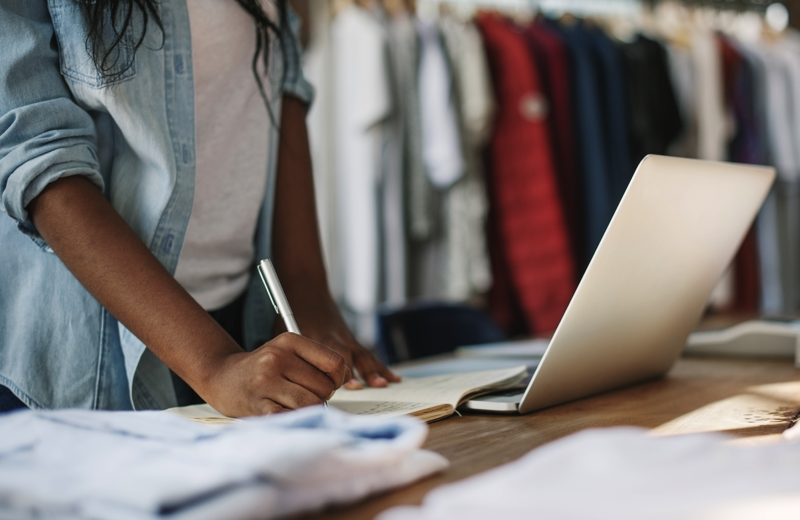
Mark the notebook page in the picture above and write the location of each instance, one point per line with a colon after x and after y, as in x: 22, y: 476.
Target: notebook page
x: 443, y: 389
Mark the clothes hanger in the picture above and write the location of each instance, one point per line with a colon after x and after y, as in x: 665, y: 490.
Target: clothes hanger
x: 338, y: 6
x: 395, y: 8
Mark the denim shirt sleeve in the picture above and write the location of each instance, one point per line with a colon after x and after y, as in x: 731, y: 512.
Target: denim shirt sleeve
x: 295, y: 83
x: 44, y: 134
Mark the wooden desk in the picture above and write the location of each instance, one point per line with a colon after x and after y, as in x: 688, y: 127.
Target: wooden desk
x: 752, y: 399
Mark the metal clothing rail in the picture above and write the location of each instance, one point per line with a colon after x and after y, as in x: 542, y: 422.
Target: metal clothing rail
x: 594, y: 7
x: 577, y: 7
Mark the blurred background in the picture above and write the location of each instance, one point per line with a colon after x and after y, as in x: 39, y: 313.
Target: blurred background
x: 472, y: 152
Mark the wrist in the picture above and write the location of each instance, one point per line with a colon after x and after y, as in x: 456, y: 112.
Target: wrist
x: 205, y: 366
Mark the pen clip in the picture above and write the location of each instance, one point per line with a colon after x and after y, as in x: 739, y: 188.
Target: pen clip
x: 266, y: 285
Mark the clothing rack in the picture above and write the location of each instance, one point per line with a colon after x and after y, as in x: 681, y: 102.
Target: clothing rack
x: 590, y: 7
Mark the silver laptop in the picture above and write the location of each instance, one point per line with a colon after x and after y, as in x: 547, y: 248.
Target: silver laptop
x: 672, y: 236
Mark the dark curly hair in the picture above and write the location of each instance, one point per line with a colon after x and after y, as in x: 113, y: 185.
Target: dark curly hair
x: 112, y: 37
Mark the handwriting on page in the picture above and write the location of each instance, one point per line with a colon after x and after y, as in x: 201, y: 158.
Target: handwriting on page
x: 384, y: 408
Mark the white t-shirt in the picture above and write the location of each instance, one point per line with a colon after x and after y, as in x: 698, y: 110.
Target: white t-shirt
x: 231, y: 128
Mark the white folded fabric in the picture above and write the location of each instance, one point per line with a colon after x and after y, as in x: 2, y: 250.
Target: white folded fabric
x: 76, y: 464
x: 622, y: 474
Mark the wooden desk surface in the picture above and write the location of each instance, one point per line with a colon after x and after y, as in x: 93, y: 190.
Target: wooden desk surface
x: 753, y: 399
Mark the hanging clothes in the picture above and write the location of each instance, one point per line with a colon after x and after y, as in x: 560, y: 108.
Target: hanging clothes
x: 318, y: 68
x: 713, y: 128
x: 362, y: 100
x: 766, y: 226
x: 712, y: 122
x: 743, y: 147
x: 784, y: 64
x: 614, y: 113
x: 747, y: 143
x: 654, y: 115
x: 406, y: 55
x: 442, y: 159
x: 441, y: 144
x: 552, y: 65
x: 775, y: 247
x: 466, y: 270
x: 682, y: 74
x: 530, y: 222
x: 394, y: 165
x: 586, y: 101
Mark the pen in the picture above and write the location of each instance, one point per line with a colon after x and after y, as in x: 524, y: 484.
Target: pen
x: 278, y: 297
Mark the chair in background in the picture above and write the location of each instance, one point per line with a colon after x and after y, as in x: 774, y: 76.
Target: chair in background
x: 432, y: 328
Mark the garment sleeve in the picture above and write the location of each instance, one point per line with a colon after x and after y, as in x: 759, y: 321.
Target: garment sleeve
x: 295, y: 82
x: 44, y: 134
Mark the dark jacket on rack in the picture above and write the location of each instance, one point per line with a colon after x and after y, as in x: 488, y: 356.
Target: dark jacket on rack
x: 550, y: 58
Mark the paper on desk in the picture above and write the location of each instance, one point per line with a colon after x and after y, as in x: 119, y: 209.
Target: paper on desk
x: 412, y: 394
x: 522, y: 348
x: 793, y: 433
x: 202, y: 413
x: 624, y: 474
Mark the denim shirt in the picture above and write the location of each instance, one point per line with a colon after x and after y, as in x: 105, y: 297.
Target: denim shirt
x: 132, y: 137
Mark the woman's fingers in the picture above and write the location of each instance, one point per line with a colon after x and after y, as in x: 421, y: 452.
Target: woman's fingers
x: 368, y: 368
x: 353, y: 384
x: 293, y: 396
x: 324, y: 359
x: 310, y: 378
x: 268, y: 407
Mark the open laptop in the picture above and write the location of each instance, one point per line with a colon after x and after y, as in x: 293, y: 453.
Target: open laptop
x: 672, y: 236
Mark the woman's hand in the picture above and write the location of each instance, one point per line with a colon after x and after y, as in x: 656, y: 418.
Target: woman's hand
x: 297, y: 254
x: 286, y: 373
x: 326, y: 326
x: 113, y: 264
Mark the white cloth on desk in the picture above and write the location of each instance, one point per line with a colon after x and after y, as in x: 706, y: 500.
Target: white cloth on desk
x: 76, y: 464
x: 621, y: 474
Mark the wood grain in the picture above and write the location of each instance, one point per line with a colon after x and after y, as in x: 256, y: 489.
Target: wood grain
x: 754, y: 400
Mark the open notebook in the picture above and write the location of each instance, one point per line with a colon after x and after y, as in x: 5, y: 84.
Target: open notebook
x: 428, y: 398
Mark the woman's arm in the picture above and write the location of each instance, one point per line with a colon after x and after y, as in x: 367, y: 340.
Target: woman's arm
x: 297, y: 253
x: 105, y: 255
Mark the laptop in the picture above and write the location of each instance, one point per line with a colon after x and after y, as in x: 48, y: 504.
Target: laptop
x: 672, y: 236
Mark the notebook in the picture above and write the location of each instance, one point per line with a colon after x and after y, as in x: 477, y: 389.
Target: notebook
x: 428, y: 398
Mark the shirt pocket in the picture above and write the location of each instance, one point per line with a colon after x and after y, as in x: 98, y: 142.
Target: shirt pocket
x: 76, y: 62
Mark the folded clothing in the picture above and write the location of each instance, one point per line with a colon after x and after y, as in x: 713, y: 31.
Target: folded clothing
x: 76, y: 464
x: 623, y: 474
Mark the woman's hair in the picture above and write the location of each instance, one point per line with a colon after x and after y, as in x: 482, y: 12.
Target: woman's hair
x: 113, y: 36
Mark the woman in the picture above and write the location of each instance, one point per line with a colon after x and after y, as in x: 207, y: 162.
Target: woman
x: 141, y: 178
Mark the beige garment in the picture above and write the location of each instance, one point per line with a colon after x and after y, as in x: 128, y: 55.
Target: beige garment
x: 712, y: 121
x: 713, y: 127
x: 683, y: 77
x: 231, y: 128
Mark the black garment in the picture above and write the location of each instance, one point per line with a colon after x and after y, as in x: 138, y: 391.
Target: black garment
x: 8, y: 401
x: 230, y: 318
x: 653, y: 114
